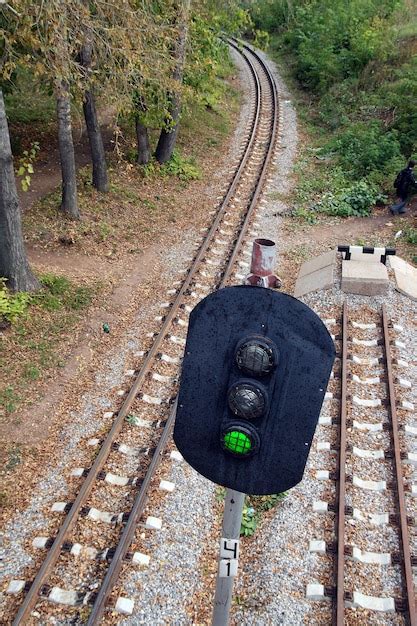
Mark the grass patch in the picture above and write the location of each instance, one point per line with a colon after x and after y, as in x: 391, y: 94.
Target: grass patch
x: 183, y: 168
x: 298, y: 253
x: 9, y: 399
x: 406, y: 241
x: 410, y: 235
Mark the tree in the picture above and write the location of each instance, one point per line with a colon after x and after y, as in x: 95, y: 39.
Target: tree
x: 60, y: 54
x: 168, y: 136
x: 69, y: 203
x: 100, y: 180
x: 142, y: 136
x: 13, y: 260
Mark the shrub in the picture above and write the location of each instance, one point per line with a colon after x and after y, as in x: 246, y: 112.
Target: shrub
x: 356, y: 200
x: 357, y: 61
x: 363, y: 148
x: 183, y: 168
x: 12, y: 305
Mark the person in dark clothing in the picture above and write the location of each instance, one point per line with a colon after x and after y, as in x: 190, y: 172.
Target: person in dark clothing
x: 404, y: 184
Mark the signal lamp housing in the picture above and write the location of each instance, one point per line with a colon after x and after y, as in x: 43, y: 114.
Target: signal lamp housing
x: 256, y: 356
x: 247, y: 399
x: 240, y: 439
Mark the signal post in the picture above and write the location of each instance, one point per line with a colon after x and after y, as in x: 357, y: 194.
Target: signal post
x: 255, y: 372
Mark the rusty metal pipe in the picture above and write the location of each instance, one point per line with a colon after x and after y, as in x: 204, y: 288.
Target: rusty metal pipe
x: 262, y: 264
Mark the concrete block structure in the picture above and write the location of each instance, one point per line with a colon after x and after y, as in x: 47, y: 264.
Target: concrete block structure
x: 363, y: 278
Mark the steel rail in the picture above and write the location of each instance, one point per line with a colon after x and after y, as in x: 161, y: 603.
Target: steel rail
x: 50, y: 560
x: 263, y: 173
x: 403, y: 526
x: 130, y: 527
x: 140, y: 501
x: 340, y: 564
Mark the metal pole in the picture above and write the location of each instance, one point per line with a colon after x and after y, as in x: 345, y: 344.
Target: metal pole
x: 229, y: 553
x: 261, y: 274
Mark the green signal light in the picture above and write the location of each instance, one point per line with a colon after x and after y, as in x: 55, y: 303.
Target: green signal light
x: 237, y: 442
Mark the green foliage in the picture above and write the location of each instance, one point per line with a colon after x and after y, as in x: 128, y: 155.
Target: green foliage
x: 253, y: 509
x: 183, y: 168
x: 265, y: 503
x: 56, y: 285
x: 305, y: 214
x: 207, y: 55
x: 365, y: 147
x: 150, y: 169
x: 9, y: 399
x: 78, y: 298
x: 398, y: 94
x: 357, y: 61
x: 207, y: 60
x: 356, y: 200
x: 250, y: 519
x: 31, y: 372
x: 261, y: 39
x: 15, y: 457
x: 58, y: 293
x: 272, y: 16
x: 131, y: 419
x: 26, y: 165
x: 27, y: 100
x: 330, y: 39
x: 12, y: 305
x: 410, y: 235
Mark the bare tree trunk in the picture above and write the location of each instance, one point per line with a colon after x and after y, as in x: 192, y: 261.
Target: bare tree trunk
x: 100, y: 180
x: 142, y: 136
x: 144, y: 149
x: 13, y: 260
x: 98, y: 157
x: 69, y: 204
x: 168, y: 138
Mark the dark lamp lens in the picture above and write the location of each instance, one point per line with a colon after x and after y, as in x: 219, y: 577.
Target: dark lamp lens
x: 246, y: 400
x: 255, y: 357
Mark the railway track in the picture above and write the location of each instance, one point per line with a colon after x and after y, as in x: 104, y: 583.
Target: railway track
x: 366, y: 438
x: 84, y: 558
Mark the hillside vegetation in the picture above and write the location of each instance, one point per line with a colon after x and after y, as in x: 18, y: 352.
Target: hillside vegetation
x: 355, y: 64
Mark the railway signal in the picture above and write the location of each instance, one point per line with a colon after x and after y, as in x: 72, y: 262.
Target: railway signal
x: 254, y: 375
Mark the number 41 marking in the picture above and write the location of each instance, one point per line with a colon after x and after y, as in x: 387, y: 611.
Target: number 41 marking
x: 229, y: 548
x: 229, y: 555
